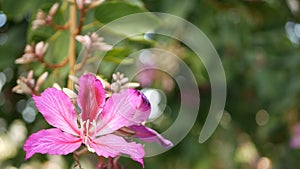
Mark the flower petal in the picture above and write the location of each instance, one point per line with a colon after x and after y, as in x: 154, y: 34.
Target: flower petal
x: 91, y: 97
x: 149, y: 135
x: 51, y: 141
x: 123, y: 109
x: 58, y: 110
x: 111, y: 146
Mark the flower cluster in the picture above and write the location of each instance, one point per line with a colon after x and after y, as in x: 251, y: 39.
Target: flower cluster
x: 27, y: 85
x: 44, y: 19
x: 103, y: 126
x: 32, y: 53
x: 93, y: 42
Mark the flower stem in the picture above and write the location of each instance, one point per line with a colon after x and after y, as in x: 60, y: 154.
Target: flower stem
x: 72, y: 43
x: 59, y: 27
x: 76, y: 155
x: 81, y: 20
x: 100, y: 164
x: 52, y: 65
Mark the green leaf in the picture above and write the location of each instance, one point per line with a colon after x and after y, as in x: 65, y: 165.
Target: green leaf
x: 116, y: 55
x: 131, y: 24
x: 17, y: 9
x: 12, y: 45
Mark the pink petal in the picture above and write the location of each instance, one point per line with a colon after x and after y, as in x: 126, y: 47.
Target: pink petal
x: 295, y: 141
x: 58, y: 110
x: 51, y: 141
x: 149, y: 135
x: 91, y: 97
x: 123, y: 109
x: 111, y: 146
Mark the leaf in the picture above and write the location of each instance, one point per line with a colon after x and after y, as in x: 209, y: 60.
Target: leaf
x: 12, y: 44
x: 17, y: 9
x: 118, y: 17
x: 117, y: 55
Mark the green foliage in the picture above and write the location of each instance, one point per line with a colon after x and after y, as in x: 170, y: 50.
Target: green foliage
x: 260, y: 62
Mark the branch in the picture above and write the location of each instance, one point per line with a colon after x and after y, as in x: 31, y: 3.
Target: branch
x: 72, y: 43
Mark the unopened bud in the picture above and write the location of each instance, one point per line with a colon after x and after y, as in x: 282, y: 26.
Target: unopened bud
x: 131, y: 85
x: 71, y: 94
x: 84, y: 40
x: 30, y: 74
x: 26, y: 58
x: 40, y: 49
x: 53, y: 9
x: 56, y: 86
x: 40, y: 15
x: 80, y: 4
x: 73, y: 78
x: 28, y: 49
x: 95, y: 3
x: 41, y: 80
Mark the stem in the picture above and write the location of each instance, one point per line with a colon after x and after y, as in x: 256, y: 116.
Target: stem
x: 52, y: 65
x: 115, y: 163
x: 82, y: 63
x: 109, y: 163
x: 72, y: 45
x: 76, y: 155
x: 100, y: 164
x: 81, y: 20
x: 59, y: 27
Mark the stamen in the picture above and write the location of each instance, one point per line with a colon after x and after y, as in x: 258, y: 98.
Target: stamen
x: 125, y: 132
x: 87, y: 125
x: 90, y: 149
x: 81, y: 126
x: 94, y: 124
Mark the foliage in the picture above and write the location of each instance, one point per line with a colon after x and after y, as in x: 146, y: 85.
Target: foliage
x: 257, y: 41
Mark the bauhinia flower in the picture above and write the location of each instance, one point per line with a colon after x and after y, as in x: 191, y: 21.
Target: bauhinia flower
x: 99, y: 126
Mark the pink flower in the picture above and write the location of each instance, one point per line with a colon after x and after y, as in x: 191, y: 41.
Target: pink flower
x: 95, y: 125
x: 295, y: 140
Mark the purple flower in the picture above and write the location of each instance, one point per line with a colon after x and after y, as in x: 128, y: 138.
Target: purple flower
x: 96, y: 125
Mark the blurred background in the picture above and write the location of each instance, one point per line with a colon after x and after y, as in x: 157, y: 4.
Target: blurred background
x: 258, y: 43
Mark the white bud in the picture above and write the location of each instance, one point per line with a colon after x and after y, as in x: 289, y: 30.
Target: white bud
x: 53, y: 9
x: 41, y: 80
x: 84, y: 40
x: 80, y: 4
x: 70, y: 93
x: 56, y: 86
x: 40, y: 49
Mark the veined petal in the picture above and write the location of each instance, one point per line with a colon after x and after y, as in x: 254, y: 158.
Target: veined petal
x: 58, y: 110
x: 91, y: 96
x: 149, y: 135
x: 123, y: 109
x: 111, y: 146
x: 51, y: 141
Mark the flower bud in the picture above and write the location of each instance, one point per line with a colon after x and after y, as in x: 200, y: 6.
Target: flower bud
x: 40, y: 49
x: 84, y: 40
x: 80, y: 4
x: 41, y: 80
x: 53, y: 9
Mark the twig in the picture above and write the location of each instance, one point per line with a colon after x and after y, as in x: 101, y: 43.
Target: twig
x: 53, y: 65
x: 76, y: 155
